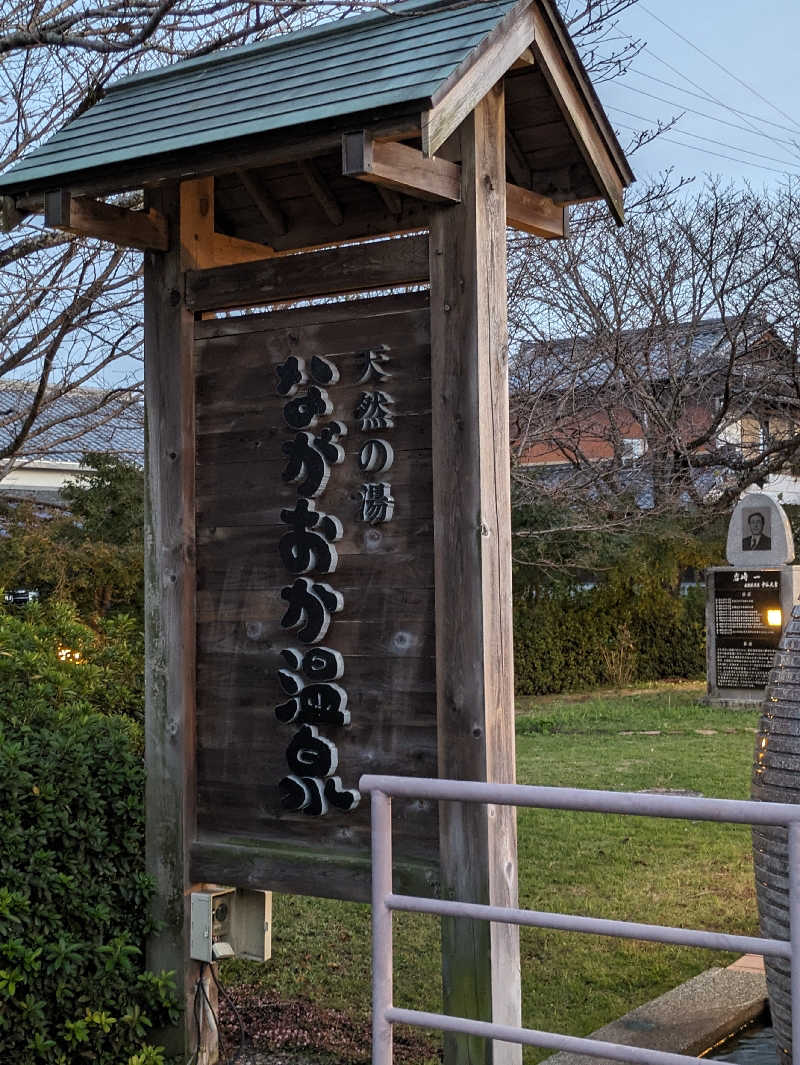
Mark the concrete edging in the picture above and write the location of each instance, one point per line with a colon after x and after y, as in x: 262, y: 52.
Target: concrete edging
x: 691, y: 1018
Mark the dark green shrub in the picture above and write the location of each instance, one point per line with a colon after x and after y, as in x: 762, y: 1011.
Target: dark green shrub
x: 49, y: 659
x: 612, y: 634
x: 74, y: 895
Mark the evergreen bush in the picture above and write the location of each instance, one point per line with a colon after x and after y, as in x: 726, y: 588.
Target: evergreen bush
x: 74, y: 895
x: 50, y: 659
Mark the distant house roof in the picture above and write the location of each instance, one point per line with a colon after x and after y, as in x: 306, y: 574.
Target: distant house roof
x: 70, y: 425
x: 391, y: 62
x: 663, y: 352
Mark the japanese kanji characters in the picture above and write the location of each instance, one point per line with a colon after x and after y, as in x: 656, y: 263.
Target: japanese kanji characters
x: 377, y: 505
x: 373, y: 411
x: 372, y: 363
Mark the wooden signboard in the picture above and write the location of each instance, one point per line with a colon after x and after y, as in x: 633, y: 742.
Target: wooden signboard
x: 315, y: 575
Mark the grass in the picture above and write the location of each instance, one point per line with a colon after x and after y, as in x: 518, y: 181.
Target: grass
x: 659, y: 871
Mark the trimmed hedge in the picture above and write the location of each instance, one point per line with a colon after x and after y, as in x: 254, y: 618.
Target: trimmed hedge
x: 613, y: 634
x: 51, y: 660
x: 74, y: 895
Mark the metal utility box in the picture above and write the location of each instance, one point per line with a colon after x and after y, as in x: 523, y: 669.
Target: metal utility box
x: 231, y: 922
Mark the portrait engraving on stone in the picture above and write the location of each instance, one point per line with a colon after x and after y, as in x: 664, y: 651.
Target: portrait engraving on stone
x: 759, y: 533
x: 756, y: 525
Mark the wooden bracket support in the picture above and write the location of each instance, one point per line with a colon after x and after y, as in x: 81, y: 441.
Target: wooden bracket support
x: 321, y: 192
x: 202, y: 248
x: 401, y: 168
x: 396, y: 166
x: 10, y: 214
x: 269, y: 210
x: 146, y: 230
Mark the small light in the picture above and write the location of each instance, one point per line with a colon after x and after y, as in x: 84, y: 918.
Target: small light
x: 774, y: 617
x: 66, y: 654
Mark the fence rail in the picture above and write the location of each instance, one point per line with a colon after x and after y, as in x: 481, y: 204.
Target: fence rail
x: 384, y: 1014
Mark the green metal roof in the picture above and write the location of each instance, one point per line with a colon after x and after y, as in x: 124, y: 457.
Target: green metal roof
x: 378, y: 61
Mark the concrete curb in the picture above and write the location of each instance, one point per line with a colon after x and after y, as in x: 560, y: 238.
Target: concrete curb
x: 689, y: 1019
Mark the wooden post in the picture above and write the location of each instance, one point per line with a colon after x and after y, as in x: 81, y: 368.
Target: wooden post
x: 474, y: 640
x: 169, y: 619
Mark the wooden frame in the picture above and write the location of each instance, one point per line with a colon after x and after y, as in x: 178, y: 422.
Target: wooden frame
x: 472, y: 515
x: 202, y: 248
x: 578, y: 116
x: 146, y: 230
x: 401, y: 168
x: 169, y: 621
x: 462, y: 91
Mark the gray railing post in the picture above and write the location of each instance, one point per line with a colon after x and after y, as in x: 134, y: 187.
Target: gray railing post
x: 384, y: 901
x: 382, y: 963
x: 794, y: 934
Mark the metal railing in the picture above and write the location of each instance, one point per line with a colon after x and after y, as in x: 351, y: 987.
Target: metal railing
x: 384, y: 901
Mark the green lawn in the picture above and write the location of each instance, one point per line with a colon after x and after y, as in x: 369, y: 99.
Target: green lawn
x: 660, y: 871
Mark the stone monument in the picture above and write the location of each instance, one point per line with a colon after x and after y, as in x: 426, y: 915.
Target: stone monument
x: 749, y: 601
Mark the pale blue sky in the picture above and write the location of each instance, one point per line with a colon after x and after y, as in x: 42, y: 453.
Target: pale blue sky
x: 758, y: 42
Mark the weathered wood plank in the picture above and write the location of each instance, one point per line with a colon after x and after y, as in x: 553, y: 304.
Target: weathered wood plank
x: 321, y: 192
x: 535, y: 214
x: 296, y: 324
x: 411, y: 638
x: 169, y: 615
x: 473, y: 578
x: 275, y: 867
x: 243, y: 153
x: 401, y: 168
x: 106, y: 221
x: 365, y: 215
x: 201, y: 246
x: 384, y: 574
x: 581, y: 121
x: 485, y: 66
x: 378, y: 265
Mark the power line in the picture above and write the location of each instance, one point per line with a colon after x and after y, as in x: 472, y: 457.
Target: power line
x: 723, y: 68
x: 694, y: 111
x: 702, y: 95
x: 707, y: 151
x: 712, y: 98
x: 701, y: 136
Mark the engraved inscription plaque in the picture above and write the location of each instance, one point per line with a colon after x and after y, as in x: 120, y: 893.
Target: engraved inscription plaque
x: 747, y: 624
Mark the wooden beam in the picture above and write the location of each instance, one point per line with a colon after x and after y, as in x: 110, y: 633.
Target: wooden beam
x: 535, y: 214
x: 515, y: 161
x: 401, y: 168
x: 169, y: 576
x: 202, y: 248
x: 472, y: 552
x: 525, y: 60
x: 86, y: 217
x: 246, y: 153
x: 391, y: 200
x: 462, y: 91
x: 10, y: 214
x: 578, y: 117
x: 355, y: 268
x: 268, y: 208
x: 321, y: 191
